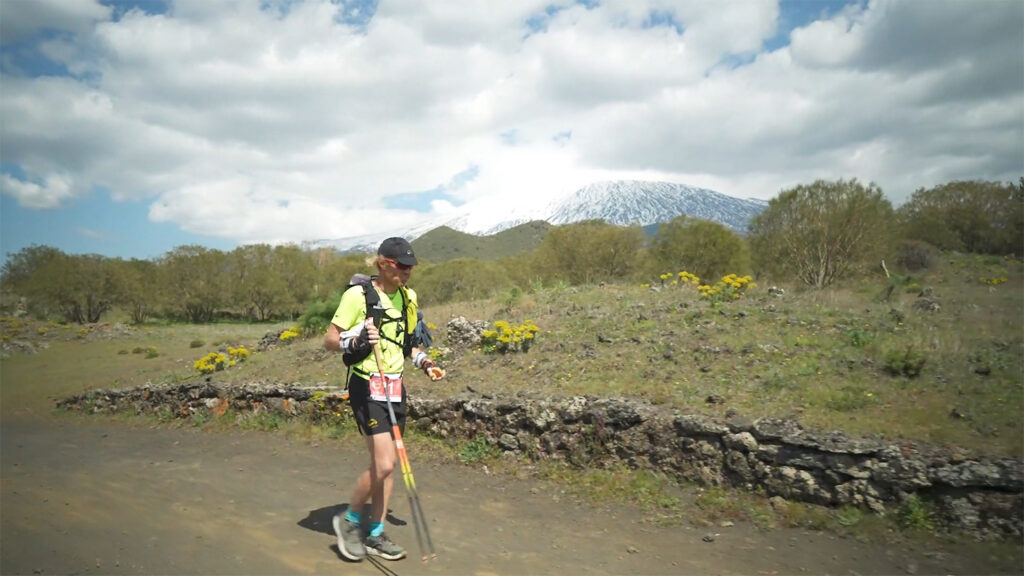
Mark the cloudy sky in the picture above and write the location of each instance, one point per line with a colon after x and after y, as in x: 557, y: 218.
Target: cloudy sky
x: 130, y: 127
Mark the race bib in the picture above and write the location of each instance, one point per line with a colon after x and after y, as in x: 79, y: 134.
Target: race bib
x: 390, y: 385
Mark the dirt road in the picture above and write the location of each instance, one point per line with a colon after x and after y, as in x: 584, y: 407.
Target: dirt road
x: 81, y: 496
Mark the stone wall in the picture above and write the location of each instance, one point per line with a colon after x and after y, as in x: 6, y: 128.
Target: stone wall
x: 981, y: 496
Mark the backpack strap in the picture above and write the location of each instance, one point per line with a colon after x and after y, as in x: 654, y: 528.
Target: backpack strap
x: 406, y: 342
x: 373, y: 310
x: 410, y: 324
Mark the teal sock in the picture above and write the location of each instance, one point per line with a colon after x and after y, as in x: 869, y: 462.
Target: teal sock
x: 376, y: 529
x: 353, y: 517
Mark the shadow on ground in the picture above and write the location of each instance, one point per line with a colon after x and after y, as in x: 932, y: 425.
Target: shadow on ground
x: 319, y: 520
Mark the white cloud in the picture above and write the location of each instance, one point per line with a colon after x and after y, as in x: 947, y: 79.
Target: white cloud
x: 48, y: 194
x: 827, y: 42
x: 24, y: 18
x: 287, y: 123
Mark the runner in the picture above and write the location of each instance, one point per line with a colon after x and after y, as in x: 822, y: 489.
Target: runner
x: 355, y: 331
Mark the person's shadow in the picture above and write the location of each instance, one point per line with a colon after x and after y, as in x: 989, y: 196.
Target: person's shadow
x: 319, y: 520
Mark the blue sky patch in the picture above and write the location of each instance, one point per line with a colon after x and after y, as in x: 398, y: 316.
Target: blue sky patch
x: 799, y: 13
x: 420, y: 201
x: 96, y: 224
x: 23, y: 58
x: 122, y: 7
x: 663, y: 18
x: 356, y: 13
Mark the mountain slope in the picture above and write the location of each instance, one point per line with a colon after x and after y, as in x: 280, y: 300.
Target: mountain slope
x: 627, y: 202
x: 444, y: 243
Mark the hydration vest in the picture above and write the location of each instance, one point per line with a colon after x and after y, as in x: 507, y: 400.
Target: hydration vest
x: 409, y: 315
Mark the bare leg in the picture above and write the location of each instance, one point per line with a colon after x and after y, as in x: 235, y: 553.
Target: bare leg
x: 377, y: 481
x: 382, y: 464
x: 361, y: 493
x: 374, y: 482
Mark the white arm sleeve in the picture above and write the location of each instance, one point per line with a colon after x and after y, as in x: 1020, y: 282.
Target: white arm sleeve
x: 348, y: 338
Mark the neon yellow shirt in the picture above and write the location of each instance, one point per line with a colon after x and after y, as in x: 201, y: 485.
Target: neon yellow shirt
x: 352, y: 310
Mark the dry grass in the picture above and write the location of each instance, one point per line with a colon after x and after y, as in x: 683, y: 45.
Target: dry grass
x: 822, y: 357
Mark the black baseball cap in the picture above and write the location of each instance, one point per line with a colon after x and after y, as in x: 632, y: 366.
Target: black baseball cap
x: 398, y: 249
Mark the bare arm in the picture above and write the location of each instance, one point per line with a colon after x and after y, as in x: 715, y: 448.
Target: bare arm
x: 360, y: 335
x: 332, y: 340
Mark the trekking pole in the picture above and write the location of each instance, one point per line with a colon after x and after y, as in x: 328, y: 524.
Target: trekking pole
x: 410, y: 482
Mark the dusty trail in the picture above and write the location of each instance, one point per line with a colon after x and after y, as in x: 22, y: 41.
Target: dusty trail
x: 80, y: 496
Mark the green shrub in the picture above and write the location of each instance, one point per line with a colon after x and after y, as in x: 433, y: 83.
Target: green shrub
x: 992, y: 260
x: 200, y: 418
x: 914, y: 255
x: 476, y: 450
x: 196, y: 344
x: 511, y: 297
x: 916, y: 514
x: 151, y: 352
x: 904, y: 362
x: 261, y: 420
x: 318, y: 315
x: 848, y: 516
x: 858, y: 337
x: 849, y: 398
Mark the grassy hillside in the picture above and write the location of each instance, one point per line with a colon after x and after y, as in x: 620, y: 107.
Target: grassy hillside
x: 443, y: 244
x: 945, y: 368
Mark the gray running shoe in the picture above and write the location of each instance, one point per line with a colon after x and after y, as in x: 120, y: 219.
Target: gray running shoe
x: 349, y: 542
x: 383, y: 546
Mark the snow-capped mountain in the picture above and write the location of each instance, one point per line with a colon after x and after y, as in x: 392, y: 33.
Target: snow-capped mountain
x: 631, y: 202
x: 620, y: 202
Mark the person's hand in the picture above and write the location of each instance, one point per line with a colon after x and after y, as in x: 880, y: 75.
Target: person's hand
x: 432, y: 370
x: 368, y: 336
x: 429, y: 367
x: 372, y: 333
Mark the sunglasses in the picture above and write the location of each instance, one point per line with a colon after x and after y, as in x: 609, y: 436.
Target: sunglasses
x: 398, y: 264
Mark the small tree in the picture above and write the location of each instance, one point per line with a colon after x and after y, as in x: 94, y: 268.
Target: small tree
x: 972, y: 216
x: 83, y: 287
x: 28, y: 272
x: 255, y: 284
x: 818, y: 232
x: 80, y: 287
x: 196, y: 281
x: 702, y: 247
x: 589, y: 252
x: 297, y: 270
x: 461, y: 279
x: 141, y: 291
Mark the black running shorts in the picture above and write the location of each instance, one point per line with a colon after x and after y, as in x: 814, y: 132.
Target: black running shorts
x: 372, y: 415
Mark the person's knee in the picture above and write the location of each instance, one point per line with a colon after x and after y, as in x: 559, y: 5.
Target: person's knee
x: 383, y: 456
x: 383, y: 468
